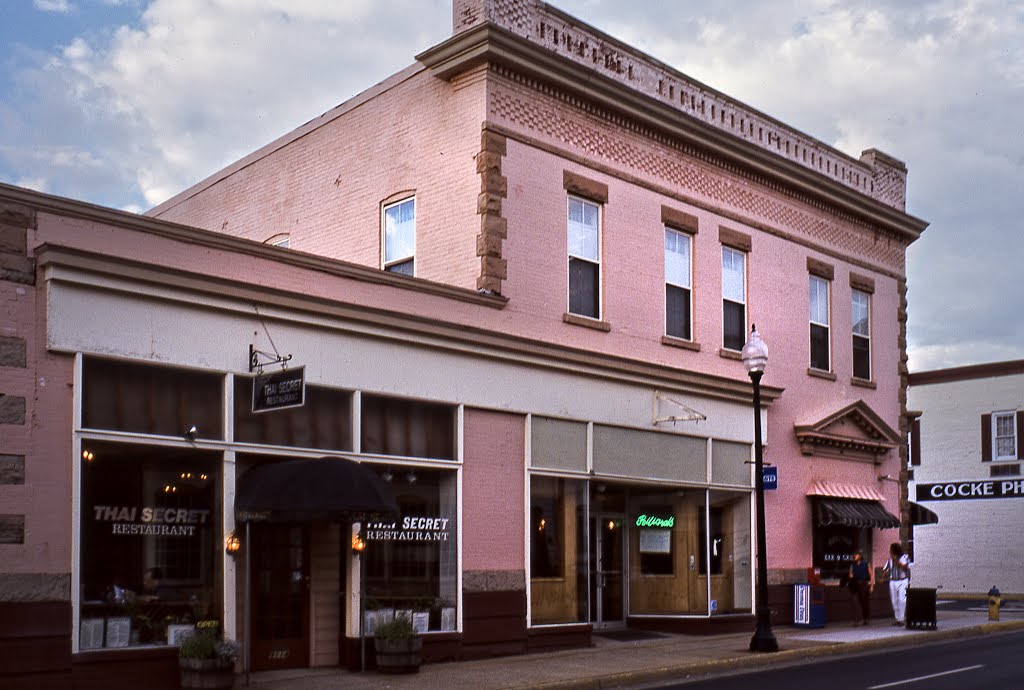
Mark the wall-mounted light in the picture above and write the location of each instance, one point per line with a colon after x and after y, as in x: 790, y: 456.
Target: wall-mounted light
x: 411, y: 477
x: 888, y: 478
x: 232, y: 544
x: 191, y: 434
x: 358, y: 544
x: 386, y: 475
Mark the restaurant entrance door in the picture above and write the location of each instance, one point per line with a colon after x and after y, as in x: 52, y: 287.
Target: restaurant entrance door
x: 280, y: 597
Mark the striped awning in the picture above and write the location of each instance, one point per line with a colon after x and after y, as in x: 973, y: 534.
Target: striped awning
x: 864, y: 514
x: 919, y: 515
x: 855, y: 492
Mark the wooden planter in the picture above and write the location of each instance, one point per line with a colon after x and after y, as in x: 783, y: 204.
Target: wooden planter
x: 206, y: 673
x: 399, y: 656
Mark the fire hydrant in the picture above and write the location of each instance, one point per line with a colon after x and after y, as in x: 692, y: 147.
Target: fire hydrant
x: 994, y: 602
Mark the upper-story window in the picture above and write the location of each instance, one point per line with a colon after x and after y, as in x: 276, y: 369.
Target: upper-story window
x: 819, y: 318
x: 860, y: 308
x: 1004, y: 435
x: 678, y: 267
x: 400, y: 236
x: 734, y: 298
x: 584, y: 224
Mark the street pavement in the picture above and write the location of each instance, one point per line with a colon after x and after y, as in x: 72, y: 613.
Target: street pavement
x: 610, y: 663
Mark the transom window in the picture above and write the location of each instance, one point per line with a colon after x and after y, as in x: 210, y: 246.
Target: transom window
x: 860, y: 303
x: 819, y: 303
x: 677, y: 284
x: 400, y: 236
x: 734, y: 298
x: 1004, y: 433
x: 584, y: 224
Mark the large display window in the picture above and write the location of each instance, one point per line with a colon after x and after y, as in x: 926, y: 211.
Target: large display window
x: 150, y: 558
x: 558, y: 551
x: 411, y: 563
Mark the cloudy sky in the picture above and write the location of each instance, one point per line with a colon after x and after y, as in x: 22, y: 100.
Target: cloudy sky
x: 125, y: 102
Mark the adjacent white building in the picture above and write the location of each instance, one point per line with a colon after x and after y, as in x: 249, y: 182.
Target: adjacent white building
x: 966, y: 456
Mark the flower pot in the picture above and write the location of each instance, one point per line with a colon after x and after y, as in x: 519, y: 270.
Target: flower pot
x: 399, y: 656
x: 206, y: 673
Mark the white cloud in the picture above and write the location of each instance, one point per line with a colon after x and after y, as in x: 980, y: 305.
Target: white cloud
x: 59, y: 6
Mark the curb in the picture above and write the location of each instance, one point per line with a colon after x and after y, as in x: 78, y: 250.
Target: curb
x: 781, y: 658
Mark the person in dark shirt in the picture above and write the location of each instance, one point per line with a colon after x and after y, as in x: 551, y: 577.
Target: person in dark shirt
x: 862, y: 583
x: 152, y: 589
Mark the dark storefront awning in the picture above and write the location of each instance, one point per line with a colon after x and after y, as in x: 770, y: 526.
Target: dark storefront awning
x: 870, y: 514
x: 333, y: 489
x: 919, y: 515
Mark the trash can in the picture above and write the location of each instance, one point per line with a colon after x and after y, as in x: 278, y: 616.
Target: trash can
x: 808, y: 606
x: 920, y: 613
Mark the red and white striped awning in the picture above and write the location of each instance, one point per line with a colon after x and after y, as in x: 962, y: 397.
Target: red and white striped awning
x: 856, y: 492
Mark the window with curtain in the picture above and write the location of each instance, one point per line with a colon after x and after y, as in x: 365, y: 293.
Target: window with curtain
x: 677, y: 284
x: 860, y: 304
x: 584, y: 227
x: 819, y: 320
x: 1004, y: 425
x: 734, y: 298
x: 400, y: 236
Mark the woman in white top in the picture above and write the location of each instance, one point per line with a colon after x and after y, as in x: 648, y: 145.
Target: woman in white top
x: 898, y: 570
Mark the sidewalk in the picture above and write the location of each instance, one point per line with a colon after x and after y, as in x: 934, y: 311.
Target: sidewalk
x: 611, y: 663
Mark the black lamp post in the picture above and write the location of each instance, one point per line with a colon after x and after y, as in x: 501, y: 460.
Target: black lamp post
x: 755, y: 358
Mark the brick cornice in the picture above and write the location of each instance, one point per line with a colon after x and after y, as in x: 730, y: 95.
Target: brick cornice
x: 489, y: 43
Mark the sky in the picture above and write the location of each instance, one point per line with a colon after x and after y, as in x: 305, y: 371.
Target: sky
x: 126, y: 102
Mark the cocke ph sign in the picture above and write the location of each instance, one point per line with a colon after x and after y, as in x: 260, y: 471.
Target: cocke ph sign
x: 959, y: 491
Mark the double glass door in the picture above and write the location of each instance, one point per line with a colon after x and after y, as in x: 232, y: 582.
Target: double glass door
x: 607, y: 571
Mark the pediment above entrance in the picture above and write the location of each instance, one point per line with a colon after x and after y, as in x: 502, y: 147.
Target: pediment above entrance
x: 855, y: 432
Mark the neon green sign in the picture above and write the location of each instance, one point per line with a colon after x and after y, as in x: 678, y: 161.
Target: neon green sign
x: 654, y: 521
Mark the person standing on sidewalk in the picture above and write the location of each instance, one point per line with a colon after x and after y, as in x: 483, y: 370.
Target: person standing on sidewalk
x: 898, y: 570
x: 862, y: 583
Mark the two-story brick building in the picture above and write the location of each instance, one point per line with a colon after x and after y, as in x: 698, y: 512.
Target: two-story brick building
x: 518, y: 275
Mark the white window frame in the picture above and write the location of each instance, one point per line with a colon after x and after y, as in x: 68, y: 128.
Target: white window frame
x: 689, y: 277
x: 386, y: 261
x: 570, y: 255
x: 826, y: 324
x: 1012, y: 414
x: 854, y: 334
x: 746, y: 316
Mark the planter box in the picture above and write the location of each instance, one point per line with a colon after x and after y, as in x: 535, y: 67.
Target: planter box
x: 206, y: 673
x: 399, y: 656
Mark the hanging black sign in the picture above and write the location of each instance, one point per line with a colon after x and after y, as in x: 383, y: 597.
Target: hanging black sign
x: 279, y: 390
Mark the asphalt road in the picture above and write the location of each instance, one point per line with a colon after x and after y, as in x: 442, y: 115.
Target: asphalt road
x: 989, y: 662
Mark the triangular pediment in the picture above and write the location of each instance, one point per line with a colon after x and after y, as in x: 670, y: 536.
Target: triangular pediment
x: 855, y: 432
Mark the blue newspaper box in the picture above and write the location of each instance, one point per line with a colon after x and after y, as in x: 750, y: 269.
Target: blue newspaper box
x: 809, y: 606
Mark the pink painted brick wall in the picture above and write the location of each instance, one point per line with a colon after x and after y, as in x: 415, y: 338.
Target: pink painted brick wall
x: 493, y: 491
x: 325, y: 187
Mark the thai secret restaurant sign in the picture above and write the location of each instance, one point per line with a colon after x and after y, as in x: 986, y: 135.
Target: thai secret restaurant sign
x: 409, y: 528
x: 958, y: 491
x: 151, y: 520
x: 279, y: 390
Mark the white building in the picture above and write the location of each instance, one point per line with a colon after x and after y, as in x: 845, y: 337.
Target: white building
x: 966, y: 454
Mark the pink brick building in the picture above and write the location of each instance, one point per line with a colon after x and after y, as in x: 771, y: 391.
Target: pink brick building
x: 518, y: 275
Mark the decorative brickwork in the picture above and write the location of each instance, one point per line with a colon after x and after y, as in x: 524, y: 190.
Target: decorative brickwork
x: 12, y: 409
x: 15, y: 264
x: 493, y: 227
x: 875, y: 175
x: 605, y: 138
x: 493, y: 580
x: 12, y: 469
x: 12, y: 352
x: 12, y: 529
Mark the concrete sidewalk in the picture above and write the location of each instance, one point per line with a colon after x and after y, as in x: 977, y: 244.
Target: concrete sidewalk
x: 611, y: 663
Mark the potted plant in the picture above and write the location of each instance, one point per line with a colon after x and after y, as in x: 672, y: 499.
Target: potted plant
x: 399, y: 649
x: 206, y: 659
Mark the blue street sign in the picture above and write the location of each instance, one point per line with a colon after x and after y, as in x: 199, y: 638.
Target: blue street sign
x: 770, y: 478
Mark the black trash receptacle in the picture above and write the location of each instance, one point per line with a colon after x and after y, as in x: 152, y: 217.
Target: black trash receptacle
x: 920, y: 613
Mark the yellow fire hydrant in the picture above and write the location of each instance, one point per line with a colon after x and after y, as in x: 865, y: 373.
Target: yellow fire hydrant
x: 994, y: 602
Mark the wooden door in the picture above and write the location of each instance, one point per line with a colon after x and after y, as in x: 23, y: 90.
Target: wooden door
x: 280, y: 596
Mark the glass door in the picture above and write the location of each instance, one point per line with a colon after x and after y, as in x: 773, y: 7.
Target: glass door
x: 607, y: 540
x: 280, y: 597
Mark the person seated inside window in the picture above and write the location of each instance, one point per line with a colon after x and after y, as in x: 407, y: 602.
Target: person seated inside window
x: 153, y: 589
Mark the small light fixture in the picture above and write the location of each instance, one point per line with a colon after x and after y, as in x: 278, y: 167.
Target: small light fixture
x: 387, y: 476
x: 191, y: 434
x: 411, y: 477
x: 232, y: 544
x: 358, y: 544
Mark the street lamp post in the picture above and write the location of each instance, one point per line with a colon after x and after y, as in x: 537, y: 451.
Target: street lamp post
x: 755, y: 358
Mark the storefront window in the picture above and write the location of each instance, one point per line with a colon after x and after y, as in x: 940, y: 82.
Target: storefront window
x: 324, y: 421
x: 558, y: 551
x: 148, y: 399
x: 412, y: 562
x: 150, y: 543
x: 835, y: 545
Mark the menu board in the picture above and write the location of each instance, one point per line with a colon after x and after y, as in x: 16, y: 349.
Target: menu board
x: 655, y: 541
